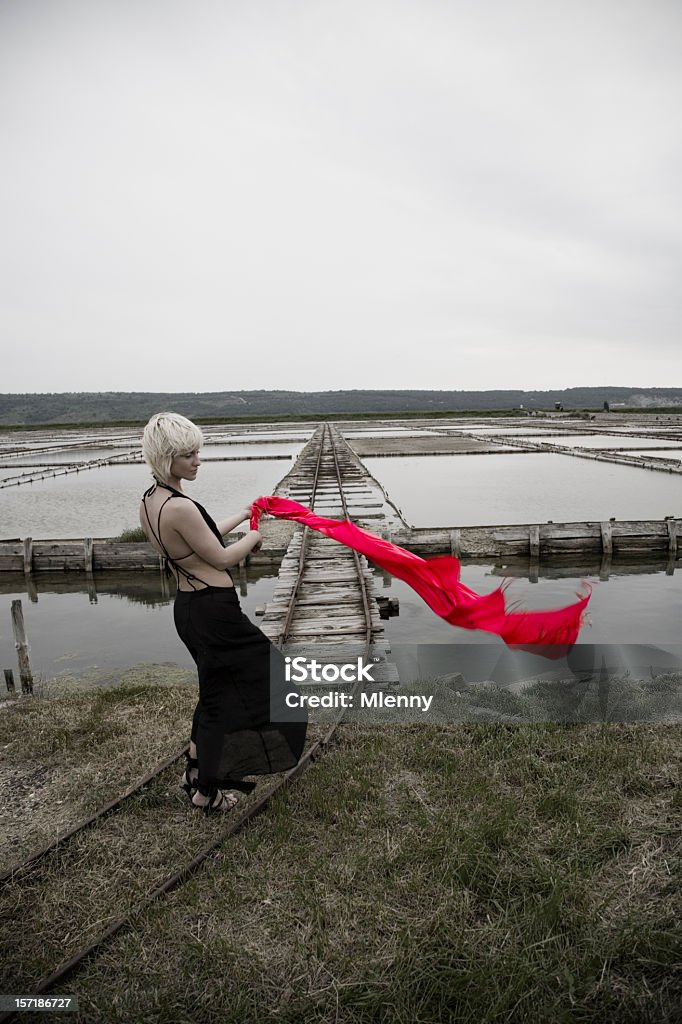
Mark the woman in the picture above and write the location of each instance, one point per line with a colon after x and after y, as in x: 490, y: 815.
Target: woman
x: 236, y: 731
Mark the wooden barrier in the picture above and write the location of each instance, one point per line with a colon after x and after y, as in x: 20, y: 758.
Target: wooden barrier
x: 544, y: 541
x: 614, y: 539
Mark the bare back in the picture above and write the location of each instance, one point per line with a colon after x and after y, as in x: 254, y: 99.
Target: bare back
x: 166, y: 518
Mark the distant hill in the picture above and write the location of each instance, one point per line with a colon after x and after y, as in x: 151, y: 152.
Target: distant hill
x: 108, y: 406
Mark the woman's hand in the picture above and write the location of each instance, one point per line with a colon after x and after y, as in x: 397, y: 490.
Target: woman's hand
x: 227, y: 525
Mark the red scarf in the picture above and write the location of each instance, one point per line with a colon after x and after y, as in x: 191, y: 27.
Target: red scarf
x: 550, y: 633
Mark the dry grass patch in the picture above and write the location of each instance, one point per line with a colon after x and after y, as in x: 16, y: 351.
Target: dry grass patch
x: 492, y: 898
x: 110, y: 738
x: 477, y: 873
x: 72, y: 750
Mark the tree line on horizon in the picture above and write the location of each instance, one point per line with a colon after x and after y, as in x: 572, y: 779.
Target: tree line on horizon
x: 106, y: 407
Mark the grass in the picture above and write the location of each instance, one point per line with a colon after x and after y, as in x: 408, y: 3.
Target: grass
x: 474, y: 872
x: 134, y: 535
x: 570, y: 700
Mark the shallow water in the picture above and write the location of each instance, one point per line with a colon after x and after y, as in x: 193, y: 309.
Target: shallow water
x: 574, y: 440
x: 668, y: 453
x: 270, y: 435
x: 397, y: 432
x: 123, y: 619
x: 69, y: 455
x: 210, y: 451
x: 239, y: 449
x: 475, y: 490
x: 606, y: 441
x: 55, y: 438
x: 526, y: 430
x: 632, y: 618
x: 103, y: 502
x: 643, y: 607
x: 432, y: 491
x: 551, y: 433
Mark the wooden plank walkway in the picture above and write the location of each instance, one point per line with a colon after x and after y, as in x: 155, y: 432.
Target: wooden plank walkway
x: 367, y: 500
x: 329, y: 621
x: 330, y: 599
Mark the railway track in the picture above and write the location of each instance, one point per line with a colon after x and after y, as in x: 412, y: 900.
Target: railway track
x: 20, y: 887
x: 324, y: 600
x: 343, y: 484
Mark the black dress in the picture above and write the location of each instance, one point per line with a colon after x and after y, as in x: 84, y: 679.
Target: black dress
x: 242, y: 725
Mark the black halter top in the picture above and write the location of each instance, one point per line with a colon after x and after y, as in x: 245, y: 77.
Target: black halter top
x: 168, y: 560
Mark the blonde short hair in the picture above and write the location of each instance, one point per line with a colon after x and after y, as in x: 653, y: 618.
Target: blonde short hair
x: 166, y: 435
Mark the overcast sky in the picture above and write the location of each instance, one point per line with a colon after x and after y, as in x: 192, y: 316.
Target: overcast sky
x: 325, y: 194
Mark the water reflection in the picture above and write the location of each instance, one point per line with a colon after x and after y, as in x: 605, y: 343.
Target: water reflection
x: 110, y: 621
x: 640, y: 603
x: 76, y: 623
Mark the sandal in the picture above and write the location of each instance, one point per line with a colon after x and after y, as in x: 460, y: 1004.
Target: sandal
x: 188, y: 783
x: 220, y: 803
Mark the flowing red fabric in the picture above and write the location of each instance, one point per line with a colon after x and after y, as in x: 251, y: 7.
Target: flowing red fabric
x: 550, y: 633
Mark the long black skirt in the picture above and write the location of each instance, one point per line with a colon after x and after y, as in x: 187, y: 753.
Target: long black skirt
x: 242, y: 725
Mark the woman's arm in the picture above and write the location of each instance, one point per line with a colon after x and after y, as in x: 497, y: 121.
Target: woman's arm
x: 188, y: 523
x: 227, y: 525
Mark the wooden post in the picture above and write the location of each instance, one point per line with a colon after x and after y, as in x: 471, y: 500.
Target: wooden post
x: 242, y: 578
x: 607, y: 539
x: 21, y: 644
x: 165, y: 588
x: 672, y: 537
x: 31, y: 588
x: 534, y: 541
x: 28, y: 555
x: 9, y: 679
x: 87, y: 553
x: 456, y: 543
x: 533, y: 553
